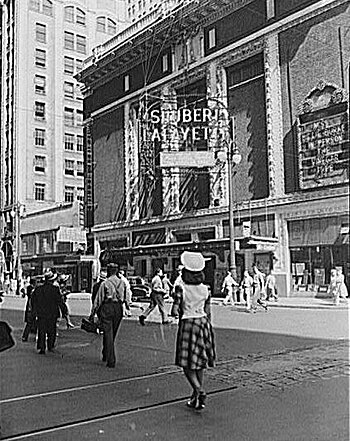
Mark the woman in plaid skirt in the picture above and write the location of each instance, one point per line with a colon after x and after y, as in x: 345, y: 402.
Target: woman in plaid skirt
x: 195, y: 349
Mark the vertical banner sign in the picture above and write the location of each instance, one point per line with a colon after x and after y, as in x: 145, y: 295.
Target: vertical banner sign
x: 88, y: 157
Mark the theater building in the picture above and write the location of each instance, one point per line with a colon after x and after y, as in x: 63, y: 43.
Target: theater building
x: 271, y: 74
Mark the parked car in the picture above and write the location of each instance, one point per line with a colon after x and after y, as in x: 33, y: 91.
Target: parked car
x: 139, y: 288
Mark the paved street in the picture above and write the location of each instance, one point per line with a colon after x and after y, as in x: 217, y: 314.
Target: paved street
x: 280, y: 375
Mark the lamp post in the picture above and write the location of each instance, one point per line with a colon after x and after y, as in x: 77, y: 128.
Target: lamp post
x: 233, y: 159
x: 16, y: 213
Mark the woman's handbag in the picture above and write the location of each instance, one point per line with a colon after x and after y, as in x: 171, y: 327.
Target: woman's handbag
x: 89, y: 326
x: 6, y: 339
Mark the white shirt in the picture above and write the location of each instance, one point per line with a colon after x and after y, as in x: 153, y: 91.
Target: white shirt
x: 194, y: 298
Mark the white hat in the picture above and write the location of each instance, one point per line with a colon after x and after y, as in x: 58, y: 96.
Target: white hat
x: 49, y: 275
x: 192, y: 261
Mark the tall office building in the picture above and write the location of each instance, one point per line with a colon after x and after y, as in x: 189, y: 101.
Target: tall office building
x: 44, y: 43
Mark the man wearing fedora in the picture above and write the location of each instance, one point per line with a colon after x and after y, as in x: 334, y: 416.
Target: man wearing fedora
x: 47, y: 302
x: 108, y: 305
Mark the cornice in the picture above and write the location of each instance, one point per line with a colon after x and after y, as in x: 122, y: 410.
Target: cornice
x: 272, y: 205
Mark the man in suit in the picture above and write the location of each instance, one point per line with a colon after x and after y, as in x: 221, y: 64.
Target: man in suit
x: 47, y: 302
x: 108, y: 305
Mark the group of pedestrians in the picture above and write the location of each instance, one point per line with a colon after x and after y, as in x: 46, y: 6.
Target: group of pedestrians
x: 254, y: 289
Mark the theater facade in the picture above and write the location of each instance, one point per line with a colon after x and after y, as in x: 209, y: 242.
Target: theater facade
x: 164, y: 99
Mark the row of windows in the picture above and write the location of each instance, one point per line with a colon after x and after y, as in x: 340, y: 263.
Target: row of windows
x: 69, y: 193
x: 71, y: 168
x: 71, y: 142
x: 70, y: 90
x: 72, y: 117
x: 71, y: 65
x: 71, y: 41
x: 43, y: 6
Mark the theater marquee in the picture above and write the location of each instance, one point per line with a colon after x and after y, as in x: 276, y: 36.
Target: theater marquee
x: 323, y: 138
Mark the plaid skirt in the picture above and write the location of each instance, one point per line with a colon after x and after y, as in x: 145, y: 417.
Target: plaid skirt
x: 195, y: 347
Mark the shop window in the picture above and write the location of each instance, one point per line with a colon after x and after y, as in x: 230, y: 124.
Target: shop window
x: 68, y: 141
x: 40, y: 33
x: 69, y: 167
x: 39, y: 137
x: 40, y: 84
x: 39, y: 164
x: 81, y: 44
x: 69, y: 40
x: 68, y: 194
x: 39, y: 111
x: 39, y: 192
x: 68, y: 65
x: 40, y: 58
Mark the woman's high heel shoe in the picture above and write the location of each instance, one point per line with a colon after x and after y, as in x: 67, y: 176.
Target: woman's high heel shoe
x: 70, y: 326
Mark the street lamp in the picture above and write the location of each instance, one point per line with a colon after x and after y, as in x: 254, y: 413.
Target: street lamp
x: 233, y: 159
x: 16, y: 213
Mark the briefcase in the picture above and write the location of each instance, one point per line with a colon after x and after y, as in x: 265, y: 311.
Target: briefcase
x: 89, y: 326
x: 6, y: 339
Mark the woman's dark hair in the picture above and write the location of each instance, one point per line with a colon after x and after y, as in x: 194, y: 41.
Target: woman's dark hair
x: 192, y: 277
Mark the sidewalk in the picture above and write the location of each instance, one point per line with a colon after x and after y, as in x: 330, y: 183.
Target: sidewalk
x: 283, y: 302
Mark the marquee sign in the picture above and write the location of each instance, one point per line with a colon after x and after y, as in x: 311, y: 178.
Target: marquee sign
x: 323, y: 138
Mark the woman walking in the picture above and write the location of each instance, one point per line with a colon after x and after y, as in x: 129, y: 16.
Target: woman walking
x: 195, y: 349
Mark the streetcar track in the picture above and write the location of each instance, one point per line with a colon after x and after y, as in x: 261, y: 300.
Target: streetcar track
x: 120, y: 413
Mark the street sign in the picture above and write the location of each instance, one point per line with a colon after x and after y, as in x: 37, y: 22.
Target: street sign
x: 188, y: 159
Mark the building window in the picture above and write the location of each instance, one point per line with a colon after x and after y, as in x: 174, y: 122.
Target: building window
x: 47, y: 7
x: 68, y: 194
x: 81, y: 44
x: 35, y: 5
x: 68, y: 141
x: 101, y: 24
x: 68, y: 89
x: 126, y: 83
x: 80, y: 168
x: 39, y: 164
x: 79, y: 117
x: 69, y: 40
x: 68, y: 65
x: 39, y: 110
x: 39, y: 137
x: 80, y: 143
x: 69, y: 167
x: 69, y: 116
x: 80, y: 194
x: 40, y: 33
x: 40, y: 58
x: 80, y: 17
x: 69, y: 14
x: 78, y: 65
x: 111, y: 27
x: 212, y: 38
x: 40, y: 84
x: 165, y: 64
x: 39, y: 192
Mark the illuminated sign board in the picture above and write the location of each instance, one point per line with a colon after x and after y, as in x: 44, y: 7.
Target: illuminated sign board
x: 323, y: 138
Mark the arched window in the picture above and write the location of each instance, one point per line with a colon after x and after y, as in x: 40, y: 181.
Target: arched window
x: 80, y: 17
x: 101, y: 24
x: 69, y: 14
x: 47, y: 7
x: 111, y: 27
